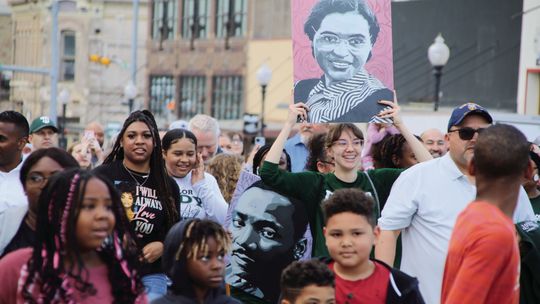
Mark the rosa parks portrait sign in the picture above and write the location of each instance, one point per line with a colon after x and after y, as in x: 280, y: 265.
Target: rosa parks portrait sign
x: 269, y: 231
x: 342, y: 58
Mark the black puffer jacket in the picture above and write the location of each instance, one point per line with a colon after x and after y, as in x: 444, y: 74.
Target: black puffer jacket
x: 181, y: 290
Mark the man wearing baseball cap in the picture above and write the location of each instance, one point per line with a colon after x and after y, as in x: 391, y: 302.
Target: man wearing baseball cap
x: 426, y: 200
x: 43, y: 133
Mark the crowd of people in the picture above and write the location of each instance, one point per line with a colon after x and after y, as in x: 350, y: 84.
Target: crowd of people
x: 393, y: 217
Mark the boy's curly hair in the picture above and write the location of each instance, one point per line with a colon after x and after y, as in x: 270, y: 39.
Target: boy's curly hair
x: 226, y: 169
x: 301, y: 274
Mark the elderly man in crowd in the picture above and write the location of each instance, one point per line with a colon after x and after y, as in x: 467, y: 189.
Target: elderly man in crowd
x: 206, y: 129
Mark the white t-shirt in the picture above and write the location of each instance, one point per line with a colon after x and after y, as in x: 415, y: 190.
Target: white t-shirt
x: 13, y: 205
x: 424, y: 203
x: 202, y: 200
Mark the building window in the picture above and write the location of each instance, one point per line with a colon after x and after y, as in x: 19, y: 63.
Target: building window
x: 164, y: 20
x: 227, y: 97
x: 231, y: 18
x: 67, y: 64
x: 161, y: 93
x: 195, y: 18
x: 192, y: 95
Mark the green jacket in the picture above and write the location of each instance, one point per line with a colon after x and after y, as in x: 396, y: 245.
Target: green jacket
x: 313, y: 187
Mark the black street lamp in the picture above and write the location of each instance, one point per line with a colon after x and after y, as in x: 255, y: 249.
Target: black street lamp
x: 63, y: 98
x: 264, y: 75
x: 438, y: 54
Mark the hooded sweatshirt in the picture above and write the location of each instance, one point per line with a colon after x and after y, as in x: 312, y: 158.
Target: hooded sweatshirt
x: 181, y: 290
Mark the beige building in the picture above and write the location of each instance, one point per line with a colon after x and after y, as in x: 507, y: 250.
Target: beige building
x: 203, y: 56
x: 529, y: 63
x: 5, y: 52
x: 86, y: 27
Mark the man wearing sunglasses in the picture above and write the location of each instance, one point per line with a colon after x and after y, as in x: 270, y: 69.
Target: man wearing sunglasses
x: 426, y: 199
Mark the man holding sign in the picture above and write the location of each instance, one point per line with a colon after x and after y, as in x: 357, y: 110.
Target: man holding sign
x: 342, y: 35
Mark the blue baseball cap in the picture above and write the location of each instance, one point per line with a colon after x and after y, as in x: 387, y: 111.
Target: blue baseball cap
x: 462, y: 111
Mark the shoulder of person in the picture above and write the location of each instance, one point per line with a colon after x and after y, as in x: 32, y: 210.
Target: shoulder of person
x: 11, y: 264
x: 399, y: 282
x: 303, y: 87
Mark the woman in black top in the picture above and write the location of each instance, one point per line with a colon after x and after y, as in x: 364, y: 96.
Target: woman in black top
x: 149, y: 196
x: 35, y: 172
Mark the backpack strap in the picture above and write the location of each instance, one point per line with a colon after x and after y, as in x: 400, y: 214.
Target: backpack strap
x: 377, y: 204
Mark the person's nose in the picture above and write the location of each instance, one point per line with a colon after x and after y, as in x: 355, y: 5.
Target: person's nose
x: 217, y: 264
x: 101, y: 212
x: 342, y: 48
x: 246, y: 238
x: 205, y: 152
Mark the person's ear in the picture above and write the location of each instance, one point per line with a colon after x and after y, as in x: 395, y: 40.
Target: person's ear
x: 320, y: 166
x: 164, y: 153
x: 376, y: 234
x: 395, y: 161
x: 22, y: 143
x: 299, y: 249
x: 283, y: 301
x: 471, y: 168
x: 529, y: 172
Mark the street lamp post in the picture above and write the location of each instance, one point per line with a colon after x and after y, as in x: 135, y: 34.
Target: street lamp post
x: 264, y: 75
x: 130, y: 92
x: 438, y: 54
x: 63, y: 97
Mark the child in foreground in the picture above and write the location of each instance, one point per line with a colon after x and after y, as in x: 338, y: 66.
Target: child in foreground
x: 83, y: 247
x: 307, y: 282
x: 193, y: 258
x: 350, y: 234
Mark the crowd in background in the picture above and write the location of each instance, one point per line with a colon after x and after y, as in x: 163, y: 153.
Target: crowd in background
x: 141, y: 217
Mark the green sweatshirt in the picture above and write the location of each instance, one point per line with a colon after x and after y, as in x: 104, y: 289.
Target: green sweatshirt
x: 312, y: 188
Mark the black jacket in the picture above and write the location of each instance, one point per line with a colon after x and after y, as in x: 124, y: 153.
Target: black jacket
x: 181, y: 290
x: 402, y: 288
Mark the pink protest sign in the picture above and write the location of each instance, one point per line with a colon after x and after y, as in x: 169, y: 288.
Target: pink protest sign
x: 342, y: 58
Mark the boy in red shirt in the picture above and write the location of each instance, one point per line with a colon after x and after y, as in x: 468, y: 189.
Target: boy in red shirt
x: 482, y: 265
x: 350, y: 234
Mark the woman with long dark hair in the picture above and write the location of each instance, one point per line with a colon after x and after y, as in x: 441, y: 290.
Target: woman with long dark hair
x: 84, y: 250
x: 149, y: 196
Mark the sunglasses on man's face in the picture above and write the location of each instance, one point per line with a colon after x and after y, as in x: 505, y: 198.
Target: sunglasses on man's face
x: 467, y: 133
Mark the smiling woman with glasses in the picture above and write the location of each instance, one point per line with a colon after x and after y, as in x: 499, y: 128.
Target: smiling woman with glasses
x: 34, y: 175
x: 343, y: 144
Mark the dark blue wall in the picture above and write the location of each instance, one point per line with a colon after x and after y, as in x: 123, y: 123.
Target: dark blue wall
x: 484, y: 39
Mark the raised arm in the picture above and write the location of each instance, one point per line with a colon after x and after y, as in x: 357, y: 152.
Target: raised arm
x: 295, y: 110
x: 420, y: 152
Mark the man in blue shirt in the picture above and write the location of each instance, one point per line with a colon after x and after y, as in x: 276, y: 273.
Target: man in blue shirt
x: 296, y: 146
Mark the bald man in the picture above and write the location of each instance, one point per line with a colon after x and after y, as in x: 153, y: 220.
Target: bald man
x: 434, y: 141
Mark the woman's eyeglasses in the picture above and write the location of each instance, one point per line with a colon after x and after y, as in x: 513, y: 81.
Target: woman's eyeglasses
x: 467, y: 133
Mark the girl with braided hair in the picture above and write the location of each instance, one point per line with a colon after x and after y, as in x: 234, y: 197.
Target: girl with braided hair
x: 194, y: 256
x: 83, y: 246
x: 136, y: 167
x: 395, y: 152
